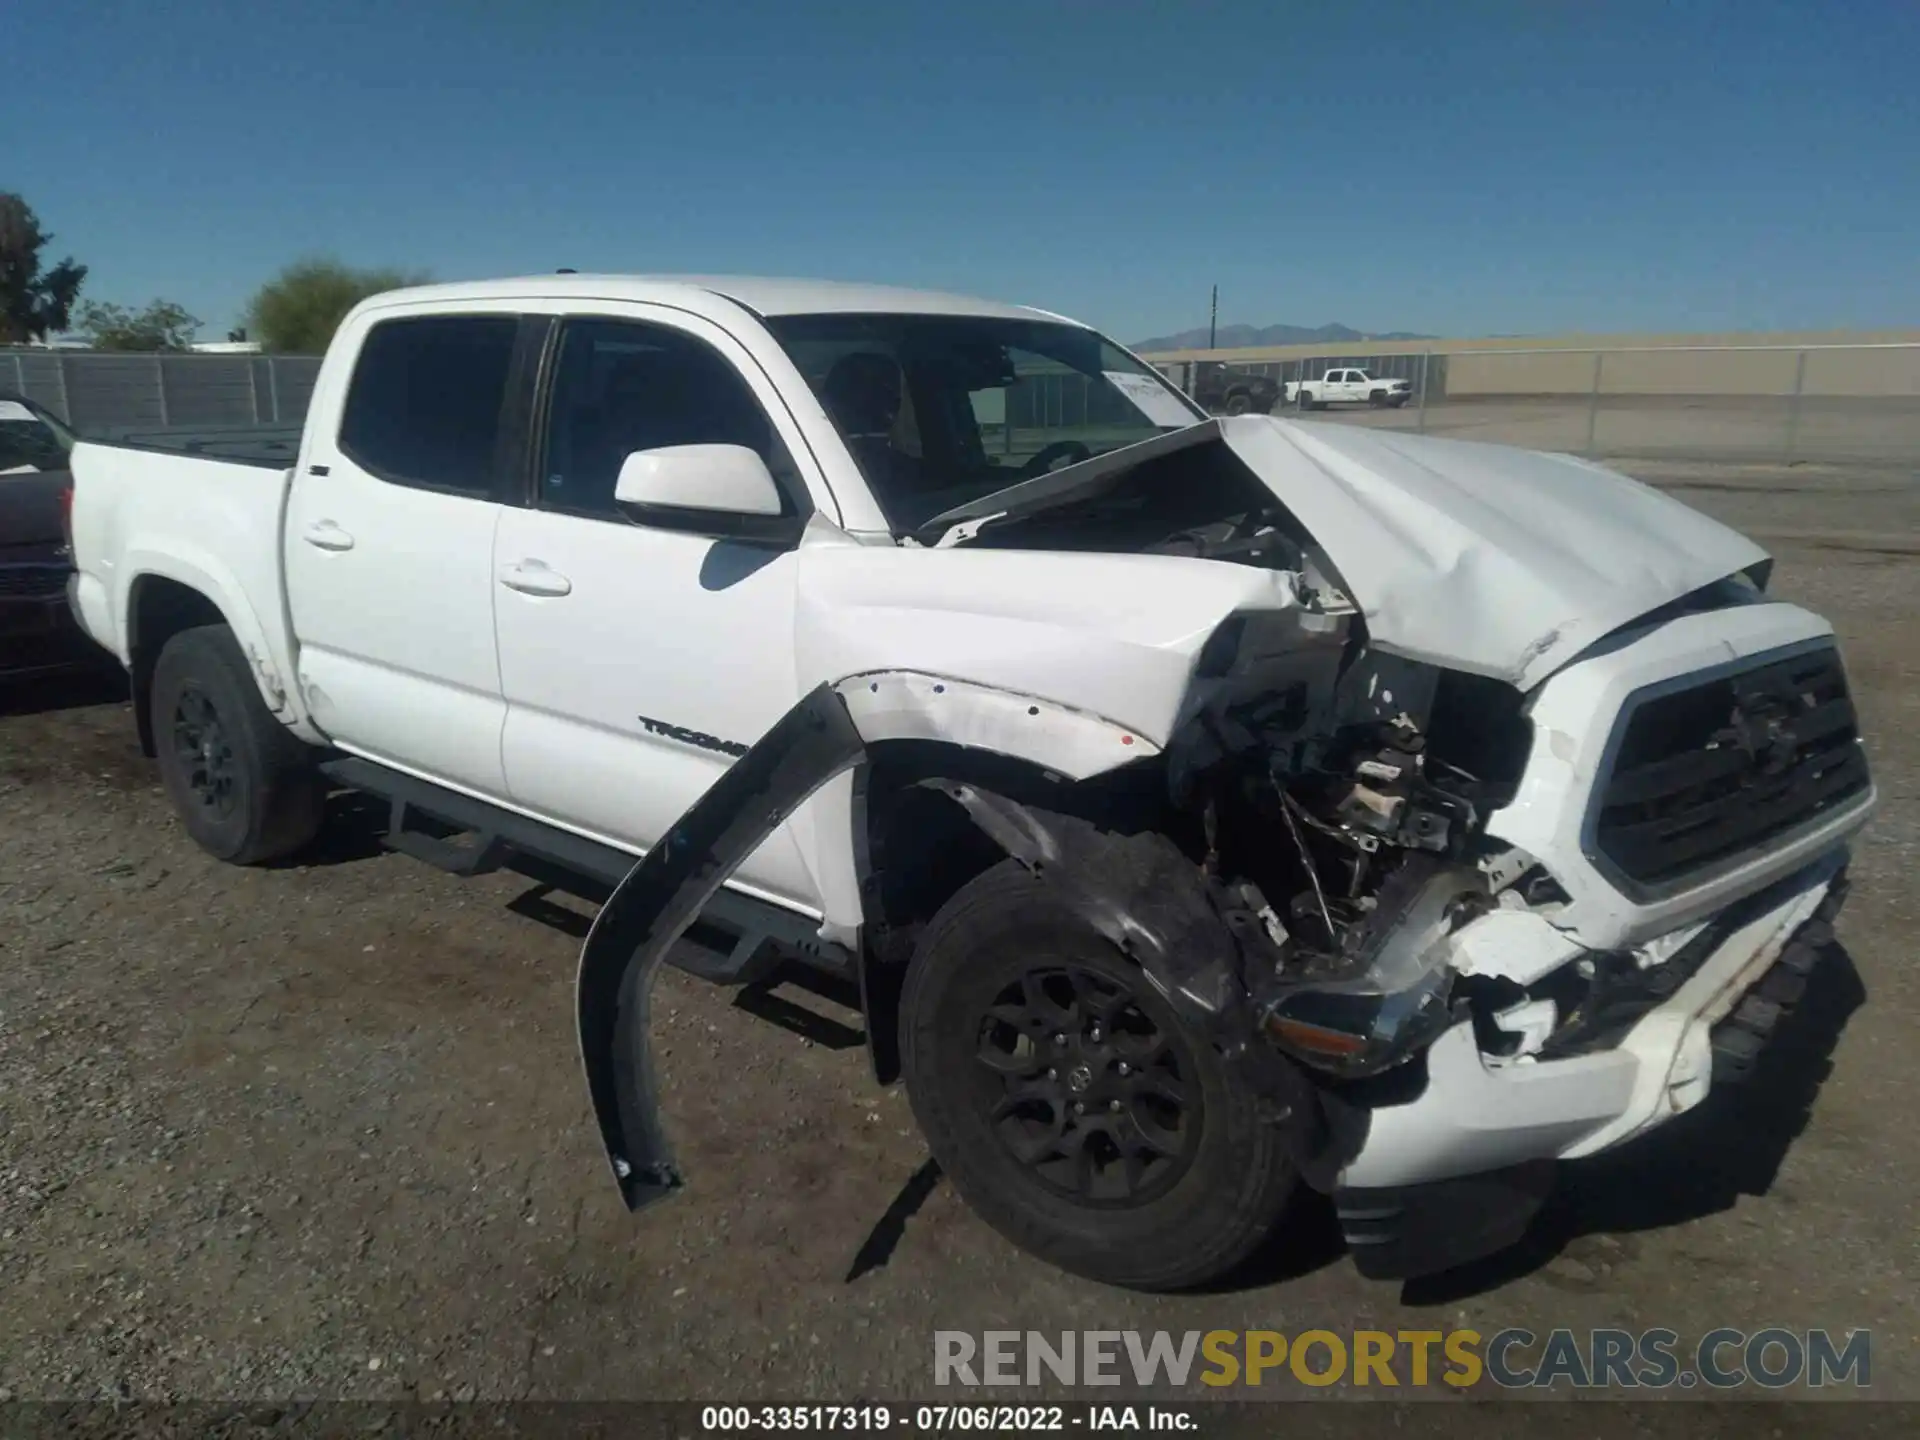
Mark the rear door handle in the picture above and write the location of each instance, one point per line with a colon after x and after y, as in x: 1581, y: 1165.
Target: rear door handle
x: 532, y: 577
x: 325, y: 535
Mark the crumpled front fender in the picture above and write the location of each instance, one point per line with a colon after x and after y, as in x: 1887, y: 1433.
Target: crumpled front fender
x: 1136, y: 891
x: 661, y: 896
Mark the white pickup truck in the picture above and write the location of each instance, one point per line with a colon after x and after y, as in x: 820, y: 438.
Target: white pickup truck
x: 1348, y: 387
x: 1202, y: 806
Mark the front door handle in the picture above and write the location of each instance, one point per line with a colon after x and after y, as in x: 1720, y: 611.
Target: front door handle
x: 325, y: 535
x: 532, y: 577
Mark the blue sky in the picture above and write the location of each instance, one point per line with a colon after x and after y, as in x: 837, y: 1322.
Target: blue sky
x: 1459, y: 169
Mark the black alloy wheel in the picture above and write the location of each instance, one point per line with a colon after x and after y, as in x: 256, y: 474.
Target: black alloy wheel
x: 1084, y: 1089
x: 205, y: 754
x: 245, y: 788
x: 1072, y: 1105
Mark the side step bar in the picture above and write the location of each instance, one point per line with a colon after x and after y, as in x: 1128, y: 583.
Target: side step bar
x: 746, y: 939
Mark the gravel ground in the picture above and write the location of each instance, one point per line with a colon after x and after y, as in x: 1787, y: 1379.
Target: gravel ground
x: 319, y: 1130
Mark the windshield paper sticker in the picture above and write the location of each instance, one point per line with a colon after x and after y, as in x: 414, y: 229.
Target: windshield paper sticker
x: 14, y: 410
x: 1150, y: 398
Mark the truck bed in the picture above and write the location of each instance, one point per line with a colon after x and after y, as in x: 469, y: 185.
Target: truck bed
x: 271, y: 446
x: 207, y: 518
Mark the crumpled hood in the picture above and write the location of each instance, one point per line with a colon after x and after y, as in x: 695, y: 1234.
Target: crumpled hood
x: 1485, y: 558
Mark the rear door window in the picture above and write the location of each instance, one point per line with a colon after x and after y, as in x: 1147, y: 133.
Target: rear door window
x: 424, y: 406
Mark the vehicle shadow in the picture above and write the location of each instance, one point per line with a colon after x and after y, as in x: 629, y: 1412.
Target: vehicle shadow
x: 761, y: 997
x: 1701, y: 1163
x: 355, y: 829
x: 1306, y: 1239
x: 352, y: 831
x: 104, y: 683
x: 763, y: 1000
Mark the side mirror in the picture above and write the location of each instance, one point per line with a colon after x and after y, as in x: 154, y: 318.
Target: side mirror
x: 722, y: 490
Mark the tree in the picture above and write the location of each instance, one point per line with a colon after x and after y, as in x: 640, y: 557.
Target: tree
x: 163, y: 325
x: 32, y: 302
x: 297, y: 311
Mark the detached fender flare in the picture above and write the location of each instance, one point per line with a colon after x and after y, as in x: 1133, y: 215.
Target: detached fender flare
x: 1130, y: 889
x: 824, y: 735
x: 653, y: 906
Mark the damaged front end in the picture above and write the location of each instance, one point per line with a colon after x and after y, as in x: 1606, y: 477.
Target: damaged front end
x: 1294, y: 892
x: 1341, y: 796
x: 1295, y: 875
x: 1311, y: 833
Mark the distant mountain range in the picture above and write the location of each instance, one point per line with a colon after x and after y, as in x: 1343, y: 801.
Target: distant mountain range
x: 1245, y: 337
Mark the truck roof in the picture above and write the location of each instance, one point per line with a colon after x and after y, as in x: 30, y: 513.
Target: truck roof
x: 762, y: 294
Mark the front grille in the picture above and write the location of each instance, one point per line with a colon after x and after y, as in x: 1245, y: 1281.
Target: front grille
x: 1704, y: 775
x: 32, y: 582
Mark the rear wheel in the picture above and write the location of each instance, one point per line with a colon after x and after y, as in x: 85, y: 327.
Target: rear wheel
x: 245, y: 789
x: 1073, y: 1109
x: 1239, y: 403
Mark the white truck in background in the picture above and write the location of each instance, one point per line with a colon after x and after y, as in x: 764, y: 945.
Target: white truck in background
x: 1202, y: 807
x: 1348, y: 386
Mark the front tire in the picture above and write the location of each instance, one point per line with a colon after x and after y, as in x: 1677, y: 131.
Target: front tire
x: 245, y: 788
x: 1239, y: 403
x: 1015, y: 1012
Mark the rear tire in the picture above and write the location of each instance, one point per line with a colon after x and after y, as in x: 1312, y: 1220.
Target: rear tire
x: 244, y: 787
x: 1239, y: 403
x: 1014, y: 1011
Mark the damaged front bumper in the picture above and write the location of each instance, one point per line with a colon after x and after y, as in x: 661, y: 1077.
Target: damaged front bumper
x: 1479, y: 1141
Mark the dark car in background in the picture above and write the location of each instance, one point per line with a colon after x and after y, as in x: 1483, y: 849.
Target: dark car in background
x: 1224, y: 390
x: 37, y: 631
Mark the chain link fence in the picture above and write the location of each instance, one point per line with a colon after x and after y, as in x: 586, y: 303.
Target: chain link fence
x: 1844, y: 404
